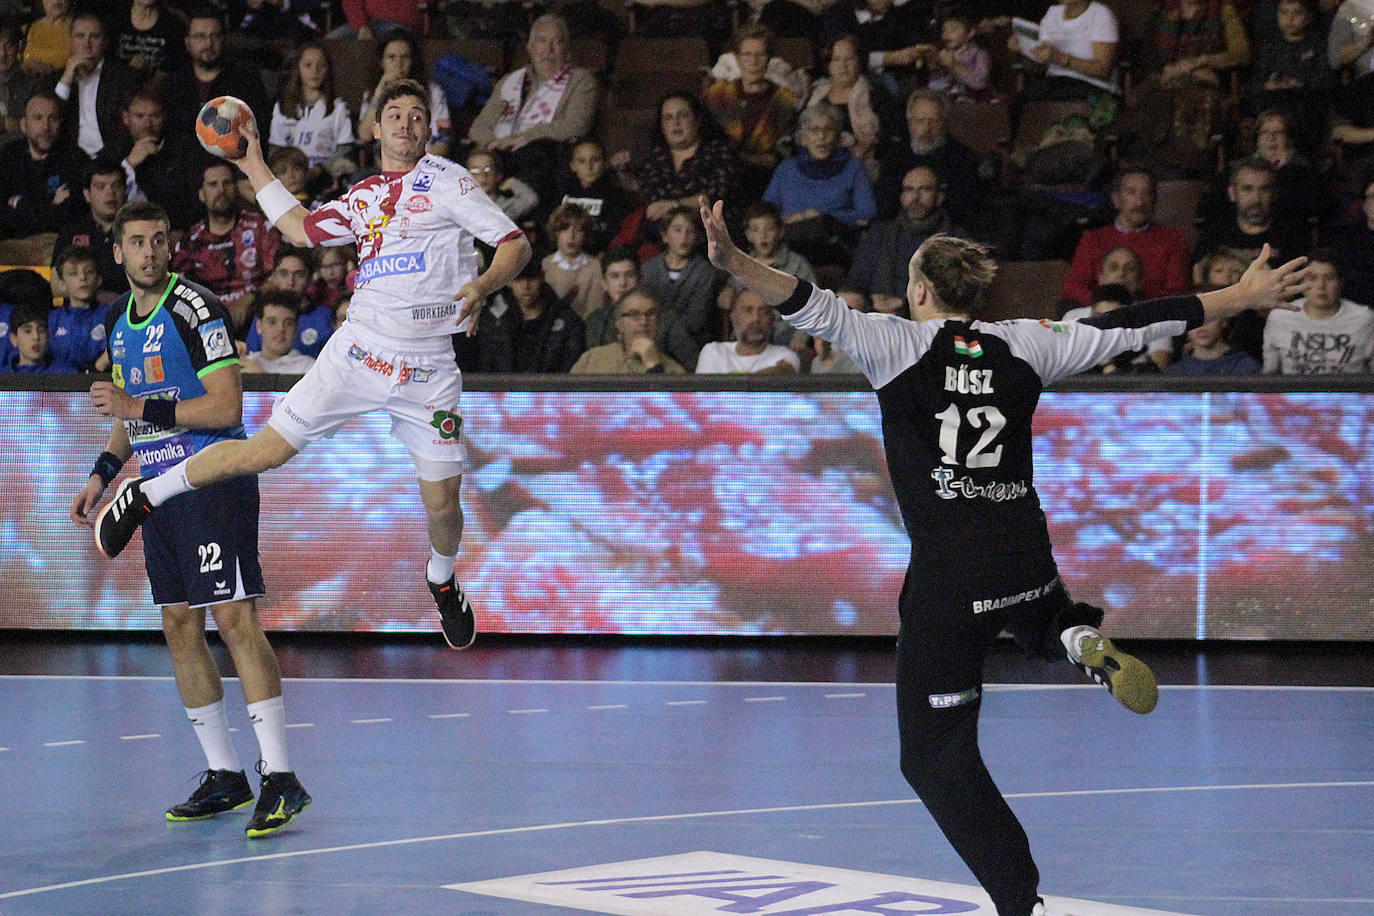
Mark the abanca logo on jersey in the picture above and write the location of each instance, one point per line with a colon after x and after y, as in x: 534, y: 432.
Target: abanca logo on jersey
x: 391, y: 265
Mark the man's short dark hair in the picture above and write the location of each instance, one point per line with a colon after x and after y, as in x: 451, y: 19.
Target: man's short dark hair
x: 282, y: 298
x: 48, y: 96
x: 137, y: 212
x: 617, y: 254
x: 306, y: 256
x: 145, y: 94
x: 397, y: 89
x: 1145, y: 170
x: 762, y: 210
x: 215, y: 164
x: 30, y: 310
x: 92, y: 15
x: 639, y: 291
x: 104, y: 165
x: 1327, y: 256
x: 71, y: 254
x: 1253, y: 164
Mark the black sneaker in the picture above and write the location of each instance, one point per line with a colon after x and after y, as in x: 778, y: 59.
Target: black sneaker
x: 220, y: 791
x: 120, y: 518
x: 455, y: 614
x: 281, y: 799
x: 1128, y: 678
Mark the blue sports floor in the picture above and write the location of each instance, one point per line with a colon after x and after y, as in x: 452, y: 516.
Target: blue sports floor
x: 1231, y: 799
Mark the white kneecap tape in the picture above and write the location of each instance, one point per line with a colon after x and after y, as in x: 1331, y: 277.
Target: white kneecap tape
x: 276, y: 201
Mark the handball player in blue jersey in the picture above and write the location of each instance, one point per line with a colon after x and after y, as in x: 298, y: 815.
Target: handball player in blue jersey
x: 175, y: 391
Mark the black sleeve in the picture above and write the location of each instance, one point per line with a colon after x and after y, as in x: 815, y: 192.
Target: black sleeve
x: 1152, y: 311
x: 799, y: 298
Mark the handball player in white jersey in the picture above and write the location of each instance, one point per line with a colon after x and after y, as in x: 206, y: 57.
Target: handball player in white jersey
x: 418, y: 283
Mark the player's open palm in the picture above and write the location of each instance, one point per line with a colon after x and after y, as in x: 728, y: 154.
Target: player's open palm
x: 1266, y: 287
x: 720, y: 248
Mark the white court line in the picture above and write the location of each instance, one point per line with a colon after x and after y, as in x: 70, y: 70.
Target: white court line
x: 62, y: 743
x: 524, y: 712
x: 503, y: 682
x: 650, y: 819
x: 843, y: 696
x: 300, y: 724
x: 685, y: 703
x: 139, y: 737
x: 451, y: 715
x: 764, y: 699
x: 610, y: 706
x: 370, y: 721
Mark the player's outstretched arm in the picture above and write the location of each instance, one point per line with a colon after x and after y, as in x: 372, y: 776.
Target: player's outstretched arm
x: 280, y: 205
x: 773, y: 286
x: 1260, y: 287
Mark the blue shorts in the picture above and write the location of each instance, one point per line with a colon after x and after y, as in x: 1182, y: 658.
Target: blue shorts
x: 201, y: 547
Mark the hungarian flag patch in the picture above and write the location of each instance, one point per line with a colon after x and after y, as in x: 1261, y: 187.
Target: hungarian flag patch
x: 967, y: 348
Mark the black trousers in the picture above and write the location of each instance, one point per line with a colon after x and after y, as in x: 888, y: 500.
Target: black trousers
x: 948, y: 619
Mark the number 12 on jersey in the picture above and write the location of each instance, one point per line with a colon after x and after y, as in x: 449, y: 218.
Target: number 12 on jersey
x: 987, y: 418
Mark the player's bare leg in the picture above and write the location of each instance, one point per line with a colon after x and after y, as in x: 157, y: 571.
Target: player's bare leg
x: 263, y: 451
x: 224, y: 785
x: 137, y: 497
x: 444, y: 511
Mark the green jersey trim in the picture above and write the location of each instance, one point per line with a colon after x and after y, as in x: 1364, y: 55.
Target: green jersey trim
x: 129, y: 311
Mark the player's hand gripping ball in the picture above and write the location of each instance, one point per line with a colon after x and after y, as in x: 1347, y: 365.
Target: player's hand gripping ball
x: 221, y: 124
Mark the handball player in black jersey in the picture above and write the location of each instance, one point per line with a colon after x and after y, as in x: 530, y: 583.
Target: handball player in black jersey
x: 957, y: 398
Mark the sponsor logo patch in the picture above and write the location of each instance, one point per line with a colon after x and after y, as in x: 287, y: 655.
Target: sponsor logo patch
x: 214, y: 336
x: 391, y: 265
x: 419, y: 203
x: 423, y: 182
x: 701, y: 883
x: 152, y: 367
x: 415, y: 374
x: 448, y: 423
x: 950, y: 700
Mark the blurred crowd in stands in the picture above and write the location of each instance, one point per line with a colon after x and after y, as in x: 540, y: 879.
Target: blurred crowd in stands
x: 1105, y: 151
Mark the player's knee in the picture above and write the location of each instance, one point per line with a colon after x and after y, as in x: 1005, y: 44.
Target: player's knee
x: 182, y: 627
x: 940, y: 760
x: 236, y: 621
x: 442, y: 499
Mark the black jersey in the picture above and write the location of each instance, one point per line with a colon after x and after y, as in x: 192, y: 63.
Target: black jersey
x: 957, y: 399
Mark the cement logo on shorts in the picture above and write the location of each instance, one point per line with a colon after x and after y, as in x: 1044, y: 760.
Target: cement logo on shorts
x: 700, y: 883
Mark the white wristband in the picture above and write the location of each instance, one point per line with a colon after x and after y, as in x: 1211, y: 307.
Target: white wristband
x: 276, y: 201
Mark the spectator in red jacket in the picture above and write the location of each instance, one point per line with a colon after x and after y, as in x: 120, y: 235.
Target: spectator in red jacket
x: 1163, y: 251
x: 372, y: 18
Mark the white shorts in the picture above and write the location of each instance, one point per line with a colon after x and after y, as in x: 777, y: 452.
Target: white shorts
x: 416, y: 382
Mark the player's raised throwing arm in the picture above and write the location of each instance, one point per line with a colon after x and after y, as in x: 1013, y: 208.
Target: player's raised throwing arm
x: 279, y: 205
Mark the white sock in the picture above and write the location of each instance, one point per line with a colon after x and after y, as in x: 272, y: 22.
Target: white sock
x: 212, y: 728
x: 440, y: 568
x: 269, y: 721
x: 171, y: 483
x: 1073, y: 638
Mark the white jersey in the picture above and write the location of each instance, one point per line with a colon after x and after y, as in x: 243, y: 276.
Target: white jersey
x: 318, y: 132
x: 415, y: 233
